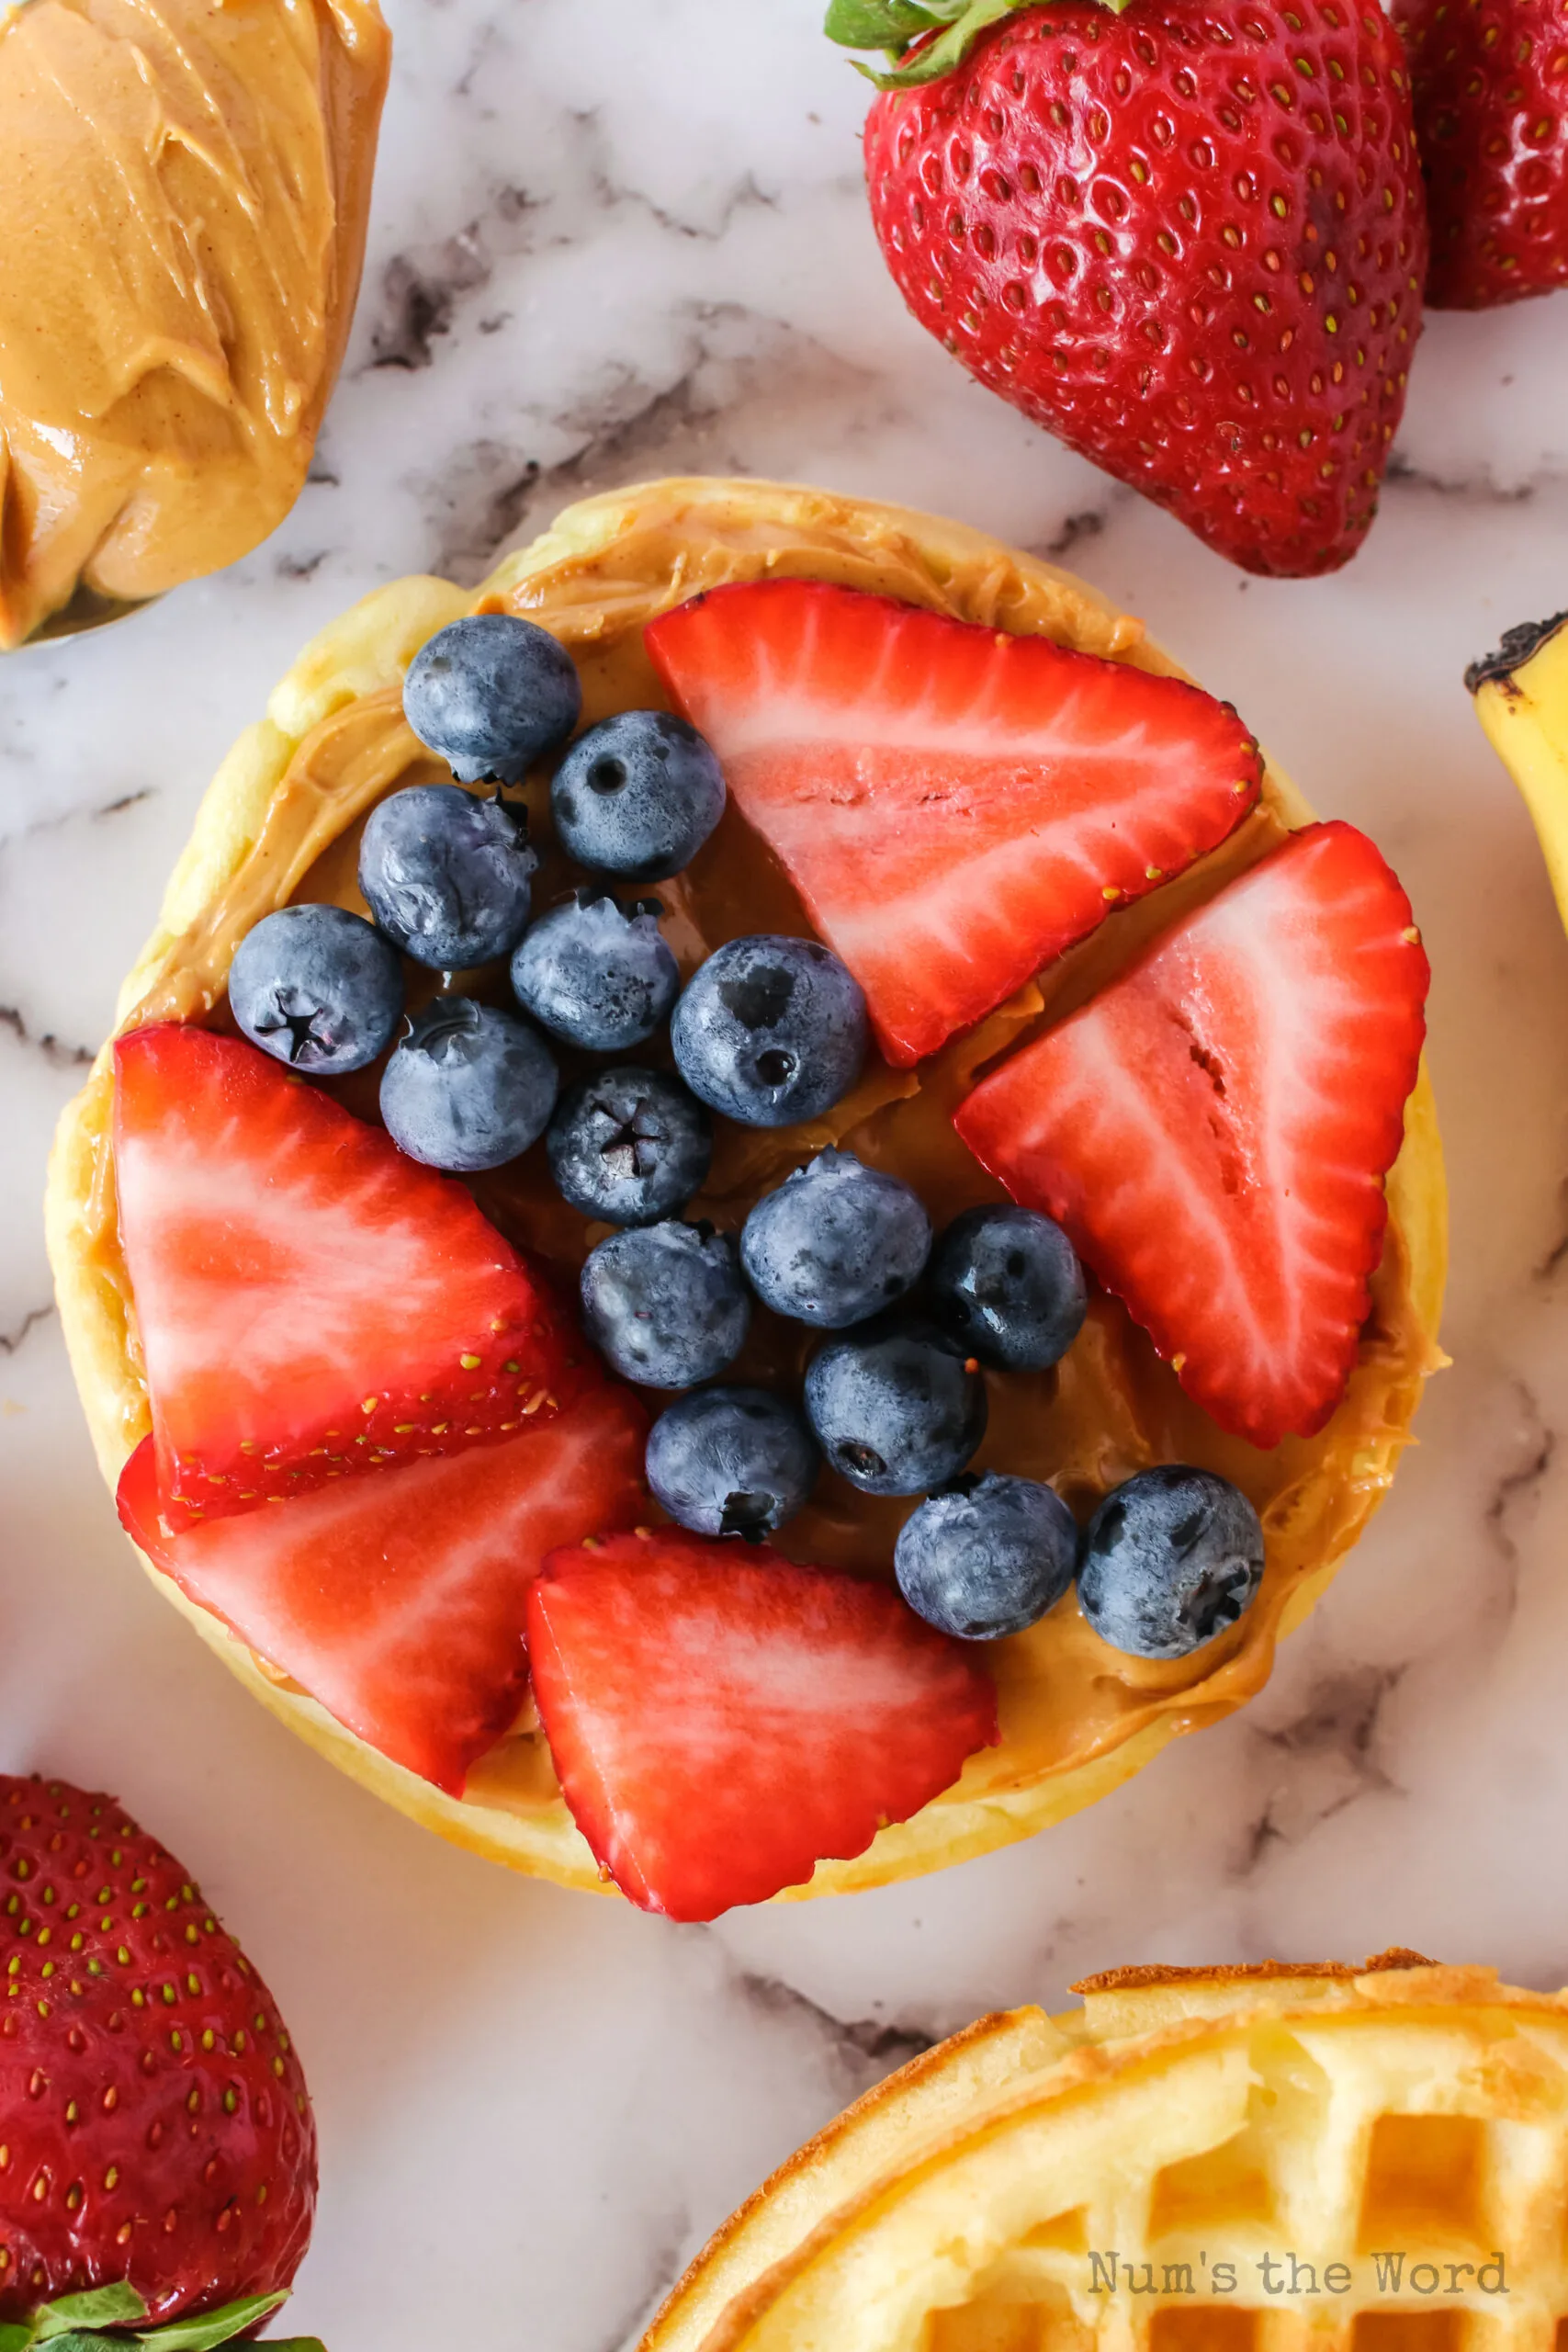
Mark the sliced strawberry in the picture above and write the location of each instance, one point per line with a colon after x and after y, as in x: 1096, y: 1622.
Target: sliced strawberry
x: 1215, y: 1128
x: 722, y: 1720
x: 955, y: 806
x: 398, y: 1601
x: 309, y: 1301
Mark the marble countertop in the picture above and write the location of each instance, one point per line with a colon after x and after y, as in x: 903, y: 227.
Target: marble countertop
x: 613, y: 241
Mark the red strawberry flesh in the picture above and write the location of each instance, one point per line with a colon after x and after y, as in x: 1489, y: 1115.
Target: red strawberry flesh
x: 309, y: 1302
x: 1214, y: 1128
x: 954, y: 805
x: 722, y: 1720
x: 397, y: 1601
x: 152, y: 2109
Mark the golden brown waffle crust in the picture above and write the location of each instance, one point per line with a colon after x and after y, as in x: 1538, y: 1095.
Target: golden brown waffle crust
x: 1244, y: 1972
x: 1458, y: 2043
x: 590, y: 567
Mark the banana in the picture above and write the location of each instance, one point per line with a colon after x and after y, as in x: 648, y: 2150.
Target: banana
x: 1522, y: 699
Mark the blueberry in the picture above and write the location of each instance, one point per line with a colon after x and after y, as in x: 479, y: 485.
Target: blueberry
x: 896, y: 1407
x: 638, y: 796
x: 594, y: 976
x: 1007, y: 1282
x: 665, y: 1303
x: 445, y: 875
x: 769, y: 1031
x: 318, y: 987
x: 1169, y: 1560
x: 836, y: 1242
x: 490, y: 695
x: 731, y: 1462
x: 988, y: 1556
x: 630, y: 1145
x: 468, y: 1087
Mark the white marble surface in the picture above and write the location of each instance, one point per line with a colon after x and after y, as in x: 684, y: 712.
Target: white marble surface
x: 613, y: 239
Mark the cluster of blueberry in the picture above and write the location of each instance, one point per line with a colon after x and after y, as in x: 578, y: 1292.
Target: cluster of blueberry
x: 769, y: 1031
x: 897, y: 1405
x: 896, y: 1402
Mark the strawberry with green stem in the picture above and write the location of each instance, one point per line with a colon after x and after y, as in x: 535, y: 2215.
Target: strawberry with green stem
x: 1189, y: 238
x: 110, y: 2319
x: 157, y: 2148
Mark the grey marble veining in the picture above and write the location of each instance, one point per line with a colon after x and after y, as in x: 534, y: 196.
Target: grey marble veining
x: 610, y: 241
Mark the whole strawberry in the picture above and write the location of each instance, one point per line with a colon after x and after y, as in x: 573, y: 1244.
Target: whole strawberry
x: 155, y: 2137
x: 1490, y: 79
x: 1190, y: 239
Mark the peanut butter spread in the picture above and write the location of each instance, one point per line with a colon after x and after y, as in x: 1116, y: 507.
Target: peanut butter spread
x: 184, y: 192
x: 1110, y: 1406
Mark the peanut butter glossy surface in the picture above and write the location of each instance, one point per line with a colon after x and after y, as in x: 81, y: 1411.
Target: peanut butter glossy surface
x: 185, y: 191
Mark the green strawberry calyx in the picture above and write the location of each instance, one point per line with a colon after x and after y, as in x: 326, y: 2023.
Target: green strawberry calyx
x: 922, y: 39
x: 110, y: 2319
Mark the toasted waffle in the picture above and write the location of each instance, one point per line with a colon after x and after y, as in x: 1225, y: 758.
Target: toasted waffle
x: 281, y: 820
x: 1275, y: 2159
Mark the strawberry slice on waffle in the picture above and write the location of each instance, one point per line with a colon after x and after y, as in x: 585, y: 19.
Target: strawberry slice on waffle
x: 398, y: 1601
x: 1213, y: 1129
x: 310, y: 1303
x: 722, y: 1719
x: 955, y: 806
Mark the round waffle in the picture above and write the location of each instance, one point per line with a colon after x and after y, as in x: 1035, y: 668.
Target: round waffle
x: 1197, y: 2160
x: 281, y: 822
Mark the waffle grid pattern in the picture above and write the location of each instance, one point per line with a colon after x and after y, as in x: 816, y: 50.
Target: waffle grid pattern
x: 1416, y: 2163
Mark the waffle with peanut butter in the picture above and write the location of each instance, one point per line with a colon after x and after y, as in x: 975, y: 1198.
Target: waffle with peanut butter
x: 281, y: 823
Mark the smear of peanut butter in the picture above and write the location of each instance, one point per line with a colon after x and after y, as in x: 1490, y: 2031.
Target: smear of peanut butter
x: 184, y: 192
x: 1112, y: 1407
